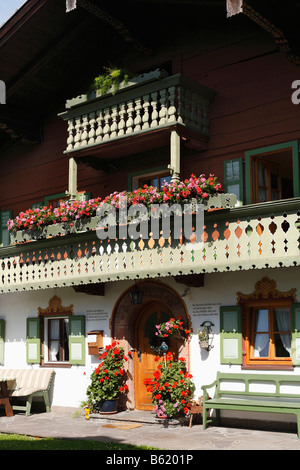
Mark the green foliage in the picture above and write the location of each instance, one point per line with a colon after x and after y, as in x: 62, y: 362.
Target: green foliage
x: 203, y: 334
x: 111, y: 79
x: 171, y: 387
x: 107, y: 380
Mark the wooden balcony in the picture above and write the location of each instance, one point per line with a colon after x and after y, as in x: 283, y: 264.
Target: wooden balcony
x: 104, y: 126
x: 258, y: 236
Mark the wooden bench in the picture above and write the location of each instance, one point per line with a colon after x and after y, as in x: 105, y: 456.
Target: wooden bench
x: 28, y: 384
x: 253, y: 392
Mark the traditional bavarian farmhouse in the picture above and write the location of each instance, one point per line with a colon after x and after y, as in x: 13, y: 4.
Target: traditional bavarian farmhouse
x: 212, y: 89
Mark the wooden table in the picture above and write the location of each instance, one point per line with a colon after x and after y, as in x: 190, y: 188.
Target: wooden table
x: 195, y: 409
x: 4, y: 398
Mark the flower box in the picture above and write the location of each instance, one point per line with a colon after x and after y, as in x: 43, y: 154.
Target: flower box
x: 90, y: 223
x: 141, y: 204
x: 54, y: 230
x: 135, y: 81
x: 22, y: 236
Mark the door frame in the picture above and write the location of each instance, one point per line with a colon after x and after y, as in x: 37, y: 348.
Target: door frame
x: 140, y: 321
x: 124, y: 317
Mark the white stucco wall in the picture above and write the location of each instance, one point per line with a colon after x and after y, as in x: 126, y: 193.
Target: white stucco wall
x: 202, y: 304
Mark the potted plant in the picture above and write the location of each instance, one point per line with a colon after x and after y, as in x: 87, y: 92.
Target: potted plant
x: 203, y: 336
x: 110, y: 80
x: 108, y: 380
x: 172, y: 327
x: 171, y: 387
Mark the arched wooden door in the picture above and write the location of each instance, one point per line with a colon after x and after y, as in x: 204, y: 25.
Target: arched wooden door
x: 146, y: 341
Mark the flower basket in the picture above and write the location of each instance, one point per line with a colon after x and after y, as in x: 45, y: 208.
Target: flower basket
x: 203, y: 336
x: 173, y: 327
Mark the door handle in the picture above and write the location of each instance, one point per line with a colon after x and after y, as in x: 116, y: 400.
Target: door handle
x: 139, y: 354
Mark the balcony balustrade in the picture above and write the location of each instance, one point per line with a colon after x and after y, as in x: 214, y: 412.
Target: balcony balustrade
x: 258, y: 236
x: 138, y: 110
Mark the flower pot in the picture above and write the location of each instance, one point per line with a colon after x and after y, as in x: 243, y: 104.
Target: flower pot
x: 108, y: 407
x: 203, y: 344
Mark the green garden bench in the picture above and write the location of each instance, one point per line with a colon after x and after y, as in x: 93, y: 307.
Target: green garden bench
x: 253, y: 392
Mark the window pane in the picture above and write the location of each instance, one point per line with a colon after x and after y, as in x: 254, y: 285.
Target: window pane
x: 54, y: 329
x: 150, y: 182
x: 261, y: 320
x: 54, y: 351
x: 163, y: 180
x: 261, y: 337
x: 58, y: 346
x: 261, y: 174
x: 66, y: 340
x: 261, y: 345
x: 282, y: 343
x: 282, y: 319
x: 282, y: 325
x: 275, y: 181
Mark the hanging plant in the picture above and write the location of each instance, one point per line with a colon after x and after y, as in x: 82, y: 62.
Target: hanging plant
x: 203, y: 336
x: 172, y: 327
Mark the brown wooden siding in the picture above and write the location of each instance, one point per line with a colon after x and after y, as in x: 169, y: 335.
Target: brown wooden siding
x: 252, y: 109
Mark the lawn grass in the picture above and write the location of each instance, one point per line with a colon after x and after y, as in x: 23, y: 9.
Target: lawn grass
x: 21, y: 442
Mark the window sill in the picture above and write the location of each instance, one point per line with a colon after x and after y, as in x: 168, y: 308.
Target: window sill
x: 57, y: 365
x: 267, y: 367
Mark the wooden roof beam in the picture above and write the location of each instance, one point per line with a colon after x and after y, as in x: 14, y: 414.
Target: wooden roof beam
x: 235, y: 7
x: 116, y: 24
x: 16, y: 21
x: 20, y: 125
x: 45, y: 56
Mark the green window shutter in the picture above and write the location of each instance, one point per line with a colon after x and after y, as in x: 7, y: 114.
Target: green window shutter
x: 296, y: 334
x: 4, y: 232
x: 2, y: 340
x: 77, y: 339
x: 33, y: 341
x: 233, y: 178
x: 231, y: 335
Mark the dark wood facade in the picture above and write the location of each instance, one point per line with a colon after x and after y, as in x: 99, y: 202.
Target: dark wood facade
x: 57, y: 54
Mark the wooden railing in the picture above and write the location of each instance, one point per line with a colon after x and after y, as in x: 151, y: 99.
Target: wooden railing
x: 136, y: 110
x: 249, y: 237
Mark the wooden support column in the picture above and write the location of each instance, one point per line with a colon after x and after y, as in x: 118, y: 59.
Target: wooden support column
x: 175, y: 156
x: 72, y: 191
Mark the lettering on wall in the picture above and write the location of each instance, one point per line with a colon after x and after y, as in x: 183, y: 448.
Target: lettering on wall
x: 206, y: 310
x: 96, y: 315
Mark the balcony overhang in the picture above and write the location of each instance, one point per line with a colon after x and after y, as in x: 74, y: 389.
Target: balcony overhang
x: 258, y: 236
x: 138, y: 118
